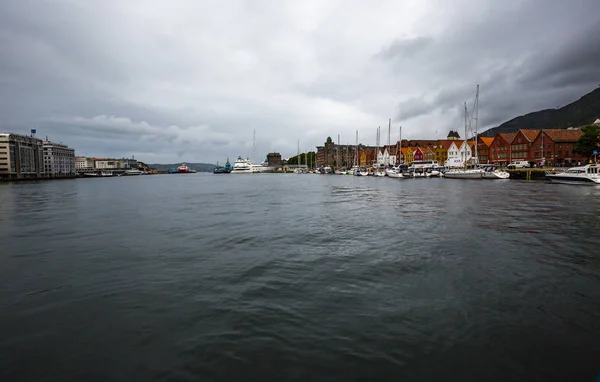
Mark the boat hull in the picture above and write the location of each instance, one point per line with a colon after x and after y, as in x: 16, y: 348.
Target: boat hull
x: 573, y: 180
x: 496, y: 175
x: 464, y: 175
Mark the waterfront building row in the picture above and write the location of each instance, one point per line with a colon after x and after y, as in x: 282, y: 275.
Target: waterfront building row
x: 83, y: 164
x: 549, y: 147
x: 23, y: 157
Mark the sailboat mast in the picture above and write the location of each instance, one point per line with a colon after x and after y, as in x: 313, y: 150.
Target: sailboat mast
x: 476, y: 122
x: 378, y: 141
x: 356, y: 150
x: 400, y: 139
x: 338, y: 153
x: 466, y: 141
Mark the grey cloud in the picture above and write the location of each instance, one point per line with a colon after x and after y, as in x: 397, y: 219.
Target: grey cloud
x: 404, y: 48
x: 172, y: 81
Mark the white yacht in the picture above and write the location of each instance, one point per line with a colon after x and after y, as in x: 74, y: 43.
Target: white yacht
x: 242, y: 166
x: 589, y: 174
x: 491, y: 172
x: 393, y: 172
x: 461, y: 173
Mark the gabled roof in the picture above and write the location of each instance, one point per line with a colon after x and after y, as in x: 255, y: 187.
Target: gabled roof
x: 562, y: 135
x: 458, y: 144
x: 445, y: 142
x: 597, y: 122
x: 530, y: 135
x: 487, y: 140
x: 508, y: 137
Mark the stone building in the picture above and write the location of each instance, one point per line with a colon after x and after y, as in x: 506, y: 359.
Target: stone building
x: 21, y: 156
x: 59, y: 159
x: 344, y: 156
x: 274, y: 159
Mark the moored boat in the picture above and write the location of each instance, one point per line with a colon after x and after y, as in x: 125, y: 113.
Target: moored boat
x: 393, y: 172
x: 469, y: 173
x: 588, y: 174
x: 242, y: 166
x: 183, y: 169
x: 491, y: 172
x: 223, y: 170
x: 133, y: 171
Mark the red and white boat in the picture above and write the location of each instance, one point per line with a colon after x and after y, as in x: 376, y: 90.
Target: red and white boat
x: 184, y: 169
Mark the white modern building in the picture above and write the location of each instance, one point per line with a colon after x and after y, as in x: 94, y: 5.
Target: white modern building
x: 83, y: 163
x: 106, y: 163
x: 21, y: 156
x: 59, y: 159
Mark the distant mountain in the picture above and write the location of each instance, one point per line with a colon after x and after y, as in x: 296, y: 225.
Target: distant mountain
x: 200, y: 167
x: 581, y: 112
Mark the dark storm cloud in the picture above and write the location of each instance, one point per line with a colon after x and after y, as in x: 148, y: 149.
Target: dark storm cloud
x: 192, y: 80
x: 537, y: 55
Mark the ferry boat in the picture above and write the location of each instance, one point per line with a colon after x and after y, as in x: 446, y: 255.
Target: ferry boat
x: 589, y: 174
x: 242, y: 166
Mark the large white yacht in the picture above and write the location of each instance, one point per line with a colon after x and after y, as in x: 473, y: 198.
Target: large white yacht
x: 589, y: 174
x: 242, y: 166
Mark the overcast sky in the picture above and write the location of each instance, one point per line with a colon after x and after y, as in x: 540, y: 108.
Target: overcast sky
x: 171, y: 81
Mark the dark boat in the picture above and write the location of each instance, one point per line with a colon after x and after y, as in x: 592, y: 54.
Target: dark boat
x: 223, y: 170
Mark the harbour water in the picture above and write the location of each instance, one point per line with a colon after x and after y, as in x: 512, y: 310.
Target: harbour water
x: 299, y: 278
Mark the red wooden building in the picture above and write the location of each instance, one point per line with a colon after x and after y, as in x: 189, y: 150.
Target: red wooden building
x: 521, y: 145
x: 500, y: 148
x: 554, y: 147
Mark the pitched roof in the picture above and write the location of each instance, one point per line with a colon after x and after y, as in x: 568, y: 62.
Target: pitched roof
x: 563, y: 135
x: 418, y: 142
x: 508, y: 137
x: 530, y: 135
x: 597, y: 122
x: 487, y: 140
x: 446, y: 143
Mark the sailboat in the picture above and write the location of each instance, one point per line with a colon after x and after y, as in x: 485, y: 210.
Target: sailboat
x: 467, y: 173
x: 396, y: 171
x: 356, y: 170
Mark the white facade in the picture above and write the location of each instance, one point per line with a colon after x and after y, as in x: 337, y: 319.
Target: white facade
x: 128, y: 163
x: 384, y: 158
x: 59, y: 159
x: 105, y: 164
x: 83, y: 163
x: 458, y: 153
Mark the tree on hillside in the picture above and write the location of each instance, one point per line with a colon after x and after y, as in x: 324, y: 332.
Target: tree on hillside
x: 309, y: 158
x: 589, y: 141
